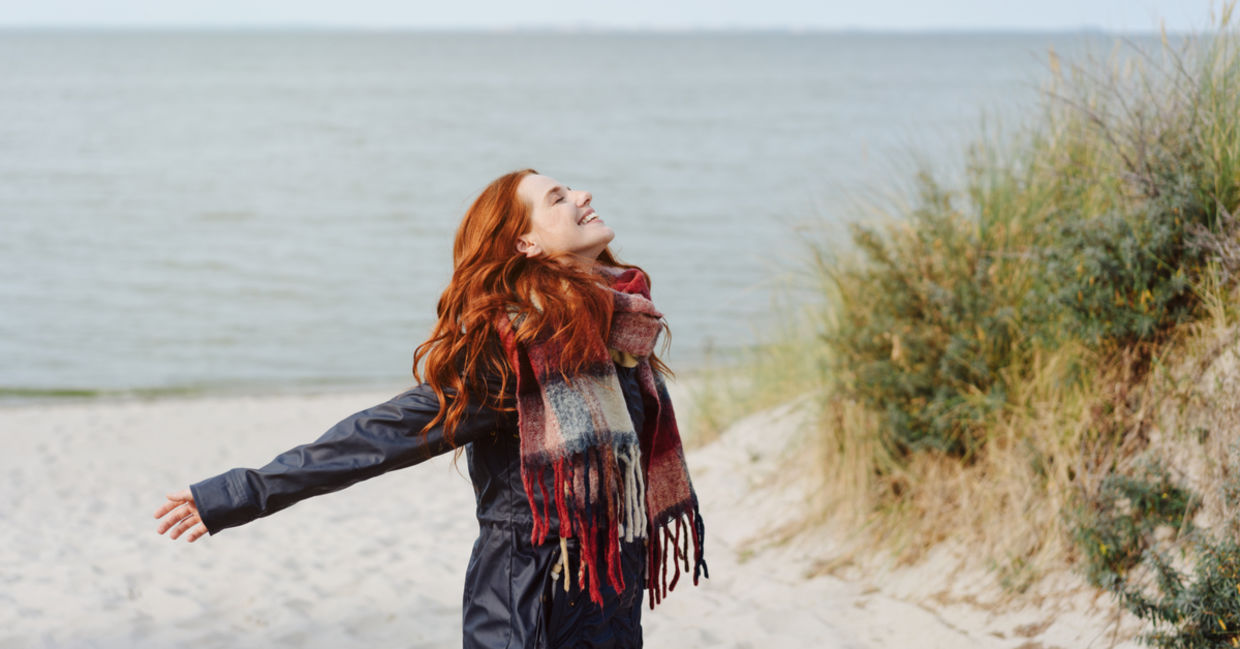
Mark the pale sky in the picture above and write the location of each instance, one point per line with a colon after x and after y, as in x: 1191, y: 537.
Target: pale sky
x: 899, y: 15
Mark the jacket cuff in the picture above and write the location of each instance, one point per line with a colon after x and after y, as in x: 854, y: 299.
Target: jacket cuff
x: 222, y: 501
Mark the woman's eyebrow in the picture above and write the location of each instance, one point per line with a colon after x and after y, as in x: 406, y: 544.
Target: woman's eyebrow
x: 551, y: 191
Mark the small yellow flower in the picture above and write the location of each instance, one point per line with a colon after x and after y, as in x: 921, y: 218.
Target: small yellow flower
x: 1220, y: 623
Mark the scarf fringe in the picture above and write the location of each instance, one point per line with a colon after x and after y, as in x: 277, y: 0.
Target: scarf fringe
x: 686, y: 516
x: 603, y: 485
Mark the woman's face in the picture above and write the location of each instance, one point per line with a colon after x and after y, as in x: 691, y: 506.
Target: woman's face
x: 561, y: 220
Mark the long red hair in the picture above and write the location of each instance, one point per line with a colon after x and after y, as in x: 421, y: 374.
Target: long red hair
x: 561, y: 302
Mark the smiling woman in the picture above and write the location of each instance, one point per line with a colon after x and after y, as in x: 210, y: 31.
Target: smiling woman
x: 562, y: 221
x: 541, y: 367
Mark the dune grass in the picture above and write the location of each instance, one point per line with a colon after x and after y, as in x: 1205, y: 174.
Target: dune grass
x: 988, y: 358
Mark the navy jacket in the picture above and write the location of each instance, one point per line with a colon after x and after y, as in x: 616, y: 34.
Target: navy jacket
x: 509, y: 598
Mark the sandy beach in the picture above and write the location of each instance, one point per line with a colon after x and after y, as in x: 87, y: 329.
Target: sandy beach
x: 381, y: 563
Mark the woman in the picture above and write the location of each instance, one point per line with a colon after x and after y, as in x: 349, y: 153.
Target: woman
x: 541, y: 367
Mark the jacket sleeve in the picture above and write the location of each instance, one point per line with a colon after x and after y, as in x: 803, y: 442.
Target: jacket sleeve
x: 376, y: 440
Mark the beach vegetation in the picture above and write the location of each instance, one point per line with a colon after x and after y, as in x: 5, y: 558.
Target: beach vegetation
x: 1184, y: 582
x: 1005, y: 360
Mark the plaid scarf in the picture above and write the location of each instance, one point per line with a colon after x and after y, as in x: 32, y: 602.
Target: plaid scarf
x: 610, y: 481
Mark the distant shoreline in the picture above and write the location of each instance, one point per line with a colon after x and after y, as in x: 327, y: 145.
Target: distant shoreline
x: 17, y: 396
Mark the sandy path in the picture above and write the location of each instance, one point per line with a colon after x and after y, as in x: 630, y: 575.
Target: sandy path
x: 377, y: 565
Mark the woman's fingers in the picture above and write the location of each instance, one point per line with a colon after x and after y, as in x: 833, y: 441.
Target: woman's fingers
x: 180, y: 515
x: 189, y: 522
x: 167, y: 507
x: 174, y: 498
x: 177, y: 514
x: 198, y: 531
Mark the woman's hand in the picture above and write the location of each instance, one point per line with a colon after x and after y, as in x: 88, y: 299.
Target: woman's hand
x: 180, y: 514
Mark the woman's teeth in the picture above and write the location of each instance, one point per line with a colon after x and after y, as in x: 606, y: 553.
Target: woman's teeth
x: 593, y: 216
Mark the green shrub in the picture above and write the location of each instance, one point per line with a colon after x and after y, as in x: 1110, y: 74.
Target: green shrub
x: 1195, y: 605
x: 1192, y: 611
x: 1115, y: 527
x: 922, y: 332
x: 1121, y: 279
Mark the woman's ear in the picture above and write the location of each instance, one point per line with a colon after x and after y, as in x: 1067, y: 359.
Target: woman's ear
x: 527, y: 247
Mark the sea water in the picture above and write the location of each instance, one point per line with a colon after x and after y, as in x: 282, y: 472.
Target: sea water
x: 206, y: 210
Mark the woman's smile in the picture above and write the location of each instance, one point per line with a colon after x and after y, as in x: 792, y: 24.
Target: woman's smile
x: 589, y: 217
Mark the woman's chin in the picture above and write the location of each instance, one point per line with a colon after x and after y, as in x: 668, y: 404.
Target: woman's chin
x: 605, y: 241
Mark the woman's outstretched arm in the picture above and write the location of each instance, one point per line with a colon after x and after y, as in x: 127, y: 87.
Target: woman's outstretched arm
x: 379, y: 439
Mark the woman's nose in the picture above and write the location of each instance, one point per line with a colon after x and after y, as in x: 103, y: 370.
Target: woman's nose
x: 584, y: 198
